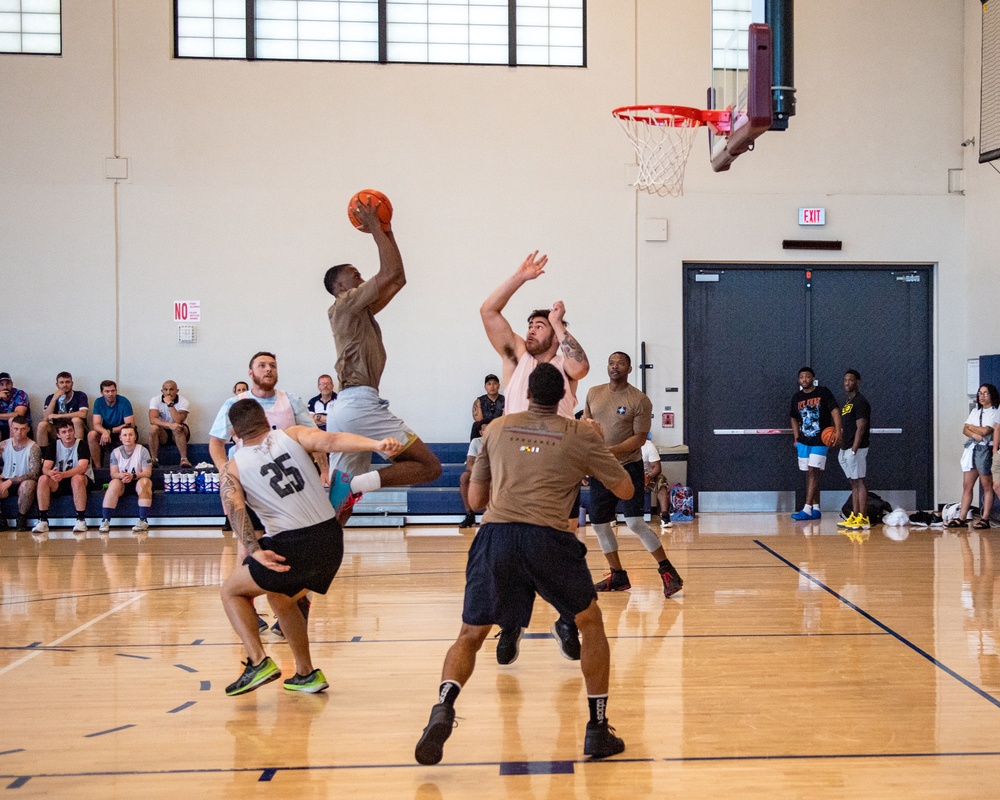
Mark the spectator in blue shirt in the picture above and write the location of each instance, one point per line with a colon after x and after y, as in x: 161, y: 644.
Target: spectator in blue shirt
x: 112, y: 412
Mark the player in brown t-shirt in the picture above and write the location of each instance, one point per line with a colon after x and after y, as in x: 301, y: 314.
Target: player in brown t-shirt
x: 528, y: 471
x: 623, y: 413
x: 360, y: 361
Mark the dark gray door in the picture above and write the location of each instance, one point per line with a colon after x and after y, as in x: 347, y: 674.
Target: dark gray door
x: 747, y: 330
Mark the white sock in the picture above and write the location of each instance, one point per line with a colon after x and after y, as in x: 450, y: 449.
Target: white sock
x: 366, y: 482
x: 807, y: 508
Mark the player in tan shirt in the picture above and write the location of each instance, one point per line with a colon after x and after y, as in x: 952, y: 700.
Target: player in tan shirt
x: 530, y: 465
x: 623, y: 414
x: 360, y: 361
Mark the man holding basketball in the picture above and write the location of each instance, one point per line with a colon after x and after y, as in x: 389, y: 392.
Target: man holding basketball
x: 546, y: 342
x: 360, y: 362
x: 813, y: 409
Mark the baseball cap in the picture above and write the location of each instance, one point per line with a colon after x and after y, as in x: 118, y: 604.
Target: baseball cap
x: 487, y: 379
x: 5, y: 376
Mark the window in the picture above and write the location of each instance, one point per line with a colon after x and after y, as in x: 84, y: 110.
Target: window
x: 509, y: 32
x: 31, y: 26
x: 730, y: 23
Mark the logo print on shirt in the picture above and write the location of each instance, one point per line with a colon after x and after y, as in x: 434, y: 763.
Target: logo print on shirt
x: 621, y: 410
x: 527, y: 449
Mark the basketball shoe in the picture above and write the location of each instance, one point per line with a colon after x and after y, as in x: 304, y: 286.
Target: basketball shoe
x: 313, y: 683
x: 847, y: 523
x: 672, y: 582
x: 41, y: 527
x: 615, y: 581
x: 253, y: 676
x: 341, y: 497
x: 509, y: 646
x: 430, y: 748
x: 601, y: 741
x: 568, y: 637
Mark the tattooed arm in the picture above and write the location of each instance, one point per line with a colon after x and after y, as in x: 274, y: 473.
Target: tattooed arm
x: 235, y: 505
x: 577, y: 365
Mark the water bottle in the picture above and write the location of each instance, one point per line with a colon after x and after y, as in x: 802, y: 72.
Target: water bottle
x: 582, y: 519
x: 199, y: 483
x: 186, y: 486
x: 168, y: 483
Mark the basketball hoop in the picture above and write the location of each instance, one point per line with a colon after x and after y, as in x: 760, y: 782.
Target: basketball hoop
x: 662, y: 137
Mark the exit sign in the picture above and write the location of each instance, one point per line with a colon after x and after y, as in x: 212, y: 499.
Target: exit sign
x: 812, y: 216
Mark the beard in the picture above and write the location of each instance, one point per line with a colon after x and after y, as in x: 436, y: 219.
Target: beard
x: 536, y: 347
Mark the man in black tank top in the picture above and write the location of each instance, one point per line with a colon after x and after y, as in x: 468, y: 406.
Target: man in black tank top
x: 487, y: 407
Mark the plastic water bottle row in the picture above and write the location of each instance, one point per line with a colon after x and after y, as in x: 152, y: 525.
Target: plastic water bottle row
x: 191, y: 483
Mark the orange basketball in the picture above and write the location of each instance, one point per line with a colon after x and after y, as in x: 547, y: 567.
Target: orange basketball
x: 829, y: 436
x: 370, y: 197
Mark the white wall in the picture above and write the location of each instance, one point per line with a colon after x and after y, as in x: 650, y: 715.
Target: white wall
x: 240, y: 174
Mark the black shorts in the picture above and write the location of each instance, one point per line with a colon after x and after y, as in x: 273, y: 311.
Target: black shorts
x: 509, y: 562
x: 603, y: 503
x: 313, y: 555
x: 65, y: 487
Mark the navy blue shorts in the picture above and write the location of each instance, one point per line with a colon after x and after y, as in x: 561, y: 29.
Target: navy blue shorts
x: 509, y: 562
x: 603, y: 503
x: 313, y: 555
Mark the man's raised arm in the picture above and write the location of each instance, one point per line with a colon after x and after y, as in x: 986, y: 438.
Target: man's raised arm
x: 390, y: 277
x: 498, y: 330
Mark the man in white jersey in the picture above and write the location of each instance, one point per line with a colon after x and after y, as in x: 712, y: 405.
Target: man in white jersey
x: 22, y: 464
x: 283, y: 410
x: 360, y: 362
x: 131, y: 473
x: 302, y: 546
x: 65, y: 469
x: 546, y: 342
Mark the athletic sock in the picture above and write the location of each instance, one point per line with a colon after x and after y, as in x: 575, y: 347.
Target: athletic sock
x: 366, y: 482
x: 807, y: 508
x: 43, y: 516
x: 106, y: 513
x: 81, y: 515
x: 143, y: 512
x: 448, y: 692
x: 598, y: 708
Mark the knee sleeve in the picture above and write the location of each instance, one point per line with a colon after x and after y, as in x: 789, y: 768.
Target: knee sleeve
x: 606, y: 537
x: 646, y: 534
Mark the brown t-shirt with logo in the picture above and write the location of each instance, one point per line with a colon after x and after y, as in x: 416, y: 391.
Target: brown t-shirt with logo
x: 357, y: 336
x: 621, y: 414
x: 534, y: 463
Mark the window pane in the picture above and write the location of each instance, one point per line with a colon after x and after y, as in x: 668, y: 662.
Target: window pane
x: 532, y: 55
x: 275, y: 9
x: 444, y: 14
x: 230, y: 48
x: 10, y: 5
x: 360, y: 50
x: 488, y: 54
x: 323, y: 51
x: 10, y: 23
x: 360, y: 32
x: 483, y: 34
x: 407, y: 52
x: 488, y: 15
x: 408, y: 12
x: 320, y: 31
x: 194, y: 8
x: 40, y: 6
x: 40, y: 43
x: 194, y: 27
x: 360, y: 11
x: 195, y: 48
x: 319, y: 10
x: 566, y: 37
x: 275, y: 29
x: 448, y: 34
x: 276, y: 48
x: 448, y: 53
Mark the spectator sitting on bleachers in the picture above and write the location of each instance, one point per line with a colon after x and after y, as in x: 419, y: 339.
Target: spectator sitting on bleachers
x: 487, y: 407
x: 112, y: 412
x: 475, y: 446
x: 22, y: 464
x: 65, y: 469
x: 131, y: 469
x: 321, y: 402
x: 656, y: 481
x: 64, y: 403
x: 167, y: 414
x: 13, y: 403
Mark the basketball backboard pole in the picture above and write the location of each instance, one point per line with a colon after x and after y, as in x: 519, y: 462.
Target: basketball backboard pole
x: 779, y: 16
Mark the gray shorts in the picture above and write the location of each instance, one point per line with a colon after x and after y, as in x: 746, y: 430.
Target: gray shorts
x: 855, y: 465
x: 359, y: 409
x: 982, y: 459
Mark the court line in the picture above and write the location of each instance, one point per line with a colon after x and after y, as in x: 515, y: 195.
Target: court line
x: 898, y: 636
x: 74, y: 632
x: 263, y: 770
x: 108, y: 593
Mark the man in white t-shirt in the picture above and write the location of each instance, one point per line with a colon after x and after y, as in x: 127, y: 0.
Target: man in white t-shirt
x: 22, y: 464
x: 131, y: 472
x: 656, y: 481
x: 475, y: 446
x: 168, y: 413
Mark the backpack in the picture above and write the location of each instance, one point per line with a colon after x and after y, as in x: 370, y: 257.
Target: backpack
x: 877, y: 508
x: 681, y: 503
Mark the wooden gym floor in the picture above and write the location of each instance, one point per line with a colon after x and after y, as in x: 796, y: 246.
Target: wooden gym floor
x: 797, y: 662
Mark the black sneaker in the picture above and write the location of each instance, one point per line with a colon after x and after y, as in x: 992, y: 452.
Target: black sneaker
x: 615, y: 581
x: 261, y: 624
x: 253, y: 676
x: 672, y: 582
x: 509, y: 645
x: 22, y: 524
x: 601, y: 741
x: 469, y: 521
x: 568, y: 637
x: 430, y: 748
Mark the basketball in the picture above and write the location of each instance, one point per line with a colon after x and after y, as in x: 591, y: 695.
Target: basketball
x: 829, y: 436
x: 370, y: 197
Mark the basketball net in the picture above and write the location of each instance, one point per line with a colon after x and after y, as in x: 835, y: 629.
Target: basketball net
x: 662, y: 137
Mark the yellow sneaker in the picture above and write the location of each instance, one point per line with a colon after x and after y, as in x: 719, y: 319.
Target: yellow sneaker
x: 846, y: 523
x: 863, y: 522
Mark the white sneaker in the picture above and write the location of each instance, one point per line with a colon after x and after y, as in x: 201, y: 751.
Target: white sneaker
x: 40, y: 527
x: 666, y: 523
x: 140, y: 526
x: 105, y: 526
x: 80, y: 527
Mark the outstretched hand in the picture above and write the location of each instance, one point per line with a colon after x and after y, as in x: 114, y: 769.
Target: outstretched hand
x: 367, y: 214
x: 271, y: 560
x: 389, y: 447
x: 532, y: 266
